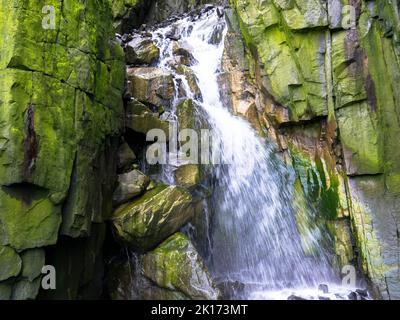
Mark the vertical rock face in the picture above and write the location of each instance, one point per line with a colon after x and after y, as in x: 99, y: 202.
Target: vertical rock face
x: 61, y: 84
x: 331, y: 67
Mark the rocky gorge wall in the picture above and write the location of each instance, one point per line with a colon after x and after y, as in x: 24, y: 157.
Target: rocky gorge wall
x: 325, y: 74
x: 61, y: 115
x: 70, y: 134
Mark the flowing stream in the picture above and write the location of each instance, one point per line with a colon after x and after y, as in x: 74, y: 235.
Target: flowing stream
x: 255, y: 241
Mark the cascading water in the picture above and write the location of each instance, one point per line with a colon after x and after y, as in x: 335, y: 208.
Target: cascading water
x: 255, y: 239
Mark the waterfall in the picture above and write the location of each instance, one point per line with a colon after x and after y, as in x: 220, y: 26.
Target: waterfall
x: 255, y: 239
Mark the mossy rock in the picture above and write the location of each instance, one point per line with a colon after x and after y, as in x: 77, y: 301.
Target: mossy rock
x: 186, y: 113
x: 191, y: 80
x: 175, y: 265
x: 188, y: 175
x: 151, y: 85
x: 361, y: 141
x: 141, y: 119
x: 32, y: 263
x: 126, y: 281
x: 29, y: 219
x: 147, y: 221
x: 141, y: 51
x: 10, y: 263
x: 5, y: 290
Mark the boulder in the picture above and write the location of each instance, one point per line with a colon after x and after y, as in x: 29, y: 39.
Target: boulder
x: 130, y: 185
x: 5, y: 290
x: 141, y: 119
x: 150, y: 219
x: 32, y: 263
x: 151, y: 85
x: 187, y: 175
x: 126, y: 157
x: 323, y: 288
x: 185, y: 57
x: 25, y: 289
x: 191, y: 79
x: 176, y: 265
x: 10, y: 263
x: 141, y: 51
x: 125, y: 281
x: 185, y: 112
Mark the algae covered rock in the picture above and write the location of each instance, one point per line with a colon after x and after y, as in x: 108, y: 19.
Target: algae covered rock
x: 5, y: 290
x: 188, y: 175
x: 61, y: 99
x: 141, y: 51
x: 176, y: 265
x: 150, y: 219
x: 28, y: 218
x: 10, y: 263
x: 186, y: 114
x: 173, y: 271
x: 192, y: 82
x: 126, y: 281
x: 127, y: 14
x: 130, y: 185
x: 141, y: 119
x: 151, y: 85
x: 32, y: 263
x: 183, y: 55
x: 362, y: 146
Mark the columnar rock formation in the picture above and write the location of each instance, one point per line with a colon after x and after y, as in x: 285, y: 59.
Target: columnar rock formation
x: 326, y: 75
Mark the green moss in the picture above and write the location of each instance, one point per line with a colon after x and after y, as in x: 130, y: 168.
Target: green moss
x: 32, y: 263
x: 320, y: 185
x: 141, y: 119
x: 186, y: 114
x: 294, y: 62
x: 139, y: 201
x: 28, y: 217
x: 176, y: 265
x: 5, y: 290
x: 361, y: 140
x: 10, y: 263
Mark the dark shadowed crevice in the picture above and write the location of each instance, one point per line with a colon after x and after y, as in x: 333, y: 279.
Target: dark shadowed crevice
x: 30, y: 144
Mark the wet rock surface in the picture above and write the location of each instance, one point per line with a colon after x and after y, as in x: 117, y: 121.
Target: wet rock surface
x: 151, y: 85
x: 160, y: 212
x: 173, y: 271
x: 141, y: 51
x: 130, y: 185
